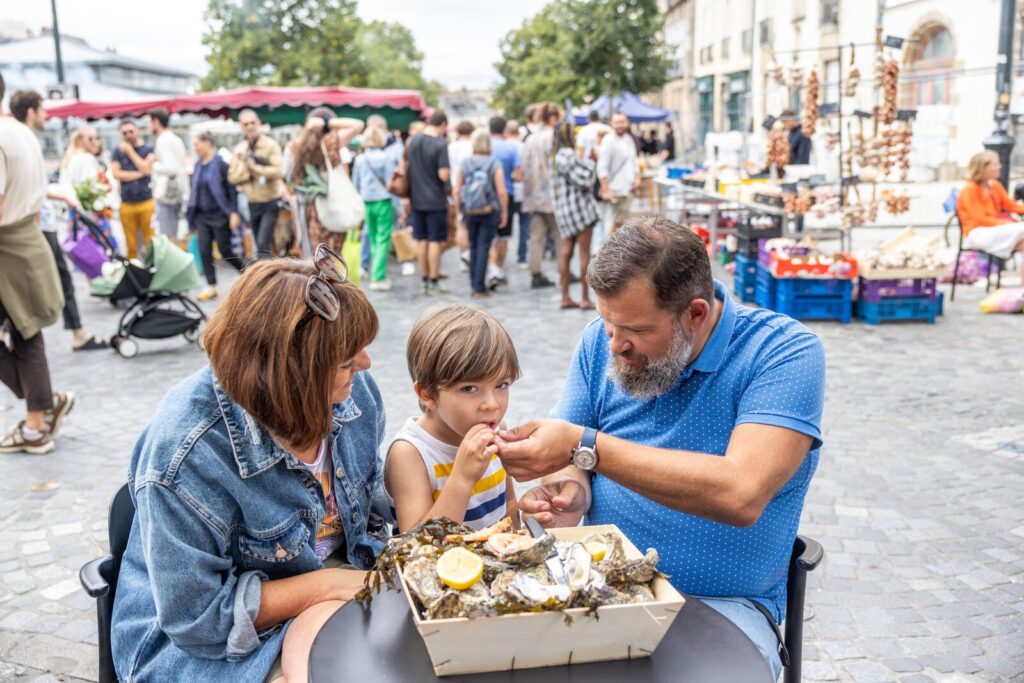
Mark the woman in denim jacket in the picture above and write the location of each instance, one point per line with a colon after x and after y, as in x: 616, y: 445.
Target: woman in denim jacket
x: 256, y: 479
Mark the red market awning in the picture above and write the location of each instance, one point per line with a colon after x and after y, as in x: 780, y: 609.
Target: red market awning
x: 276, y: 106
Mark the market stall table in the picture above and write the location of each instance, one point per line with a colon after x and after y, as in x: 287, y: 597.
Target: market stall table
x: 716, y: 203
x: 380, y: 643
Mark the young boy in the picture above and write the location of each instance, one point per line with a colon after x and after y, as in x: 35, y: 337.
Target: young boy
x: 444, y: 463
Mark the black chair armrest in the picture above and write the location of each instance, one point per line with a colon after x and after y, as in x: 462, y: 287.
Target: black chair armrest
x: 95, y: 574
x: 811, y: 556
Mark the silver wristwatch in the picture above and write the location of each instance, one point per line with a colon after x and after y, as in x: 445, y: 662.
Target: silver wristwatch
x: 584, y: 456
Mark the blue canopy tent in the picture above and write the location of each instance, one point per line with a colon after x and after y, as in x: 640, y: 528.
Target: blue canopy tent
x: 628, y: 103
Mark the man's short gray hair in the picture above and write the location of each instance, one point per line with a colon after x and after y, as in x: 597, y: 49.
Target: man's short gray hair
x: 248, y: 111
x: 376, y: 120
x: 672, y: 258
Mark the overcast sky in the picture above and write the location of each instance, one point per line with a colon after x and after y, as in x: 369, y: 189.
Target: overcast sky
x: 458, y: 38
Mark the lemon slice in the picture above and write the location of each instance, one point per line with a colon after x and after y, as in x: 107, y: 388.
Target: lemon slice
x: 597, y: 550
x: 460, y: 568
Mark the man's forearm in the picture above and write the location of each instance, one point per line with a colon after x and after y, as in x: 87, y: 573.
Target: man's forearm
x: 732, y: 489
x: 127, y: 176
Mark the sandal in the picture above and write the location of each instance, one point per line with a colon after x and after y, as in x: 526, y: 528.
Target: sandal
x: 63, y: 402
x: 569, y: 304
x: 15, y: 441
x: 92, y: 344
x: 587, y: 304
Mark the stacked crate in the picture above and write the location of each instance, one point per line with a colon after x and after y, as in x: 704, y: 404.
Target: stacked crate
x: 745, y: 278
x: 751, y: 230
x: 898, y: 299
x: 802, y: 298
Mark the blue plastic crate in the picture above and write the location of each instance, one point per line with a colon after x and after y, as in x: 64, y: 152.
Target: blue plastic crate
x: 904, y: 308
x: 764, y: 291
x: 792, y: 287
x: 745, y: 266
x: 815, y: 307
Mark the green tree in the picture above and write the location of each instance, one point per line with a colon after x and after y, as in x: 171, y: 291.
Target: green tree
x: 582, y: 48
x: 276, y: 42
x: 392, y: 59
x: 534, y: 62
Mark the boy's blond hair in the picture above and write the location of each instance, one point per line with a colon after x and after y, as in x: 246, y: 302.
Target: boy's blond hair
x: 452, y: 344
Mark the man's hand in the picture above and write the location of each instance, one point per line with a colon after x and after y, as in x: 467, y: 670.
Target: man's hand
x: 558, y: 504
x: 125, y: 148
x: 636, y: 183
x: 606, y: 195
x: 235, y: 220
x: 537, y: 448
x: 503, y: 221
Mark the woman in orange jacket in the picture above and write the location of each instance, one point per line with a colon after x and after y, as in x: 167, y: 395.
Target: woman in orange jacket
x: 985, y: 211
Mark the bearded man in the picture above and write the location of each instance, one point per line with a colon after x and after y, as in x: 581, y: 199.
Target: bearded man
x: 688, y: 420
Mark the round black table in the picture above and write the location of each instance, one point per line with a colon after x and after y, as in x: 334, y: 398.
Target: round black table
x: 380, y: 643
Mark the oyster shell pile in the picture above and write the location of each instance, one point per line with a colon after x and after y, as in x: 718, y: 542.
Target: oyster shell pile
x: 515, y: 577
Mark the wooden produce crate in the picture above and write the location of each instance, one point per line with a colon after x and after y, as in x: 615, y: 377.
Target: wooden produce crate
x: 523, y: 641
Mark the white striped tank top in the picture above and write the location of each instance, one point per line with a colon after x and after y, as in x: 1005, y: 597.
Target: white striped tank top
x: 486, y: 504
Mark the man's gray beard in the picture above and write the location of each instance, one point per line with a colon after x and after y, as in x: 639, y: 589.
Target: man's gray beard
x: 657, y: 376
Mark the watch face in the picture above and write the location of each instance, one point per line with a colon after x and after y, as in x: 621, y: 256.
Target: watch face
x: 584, y: 458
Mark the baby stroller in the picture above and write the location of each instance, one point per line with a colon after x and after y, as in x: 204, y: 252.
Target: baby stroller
x: 152, y: 294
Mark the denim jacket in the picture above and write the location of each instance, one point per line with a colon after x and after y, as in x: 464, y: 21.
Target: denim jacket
x: 220, y: 508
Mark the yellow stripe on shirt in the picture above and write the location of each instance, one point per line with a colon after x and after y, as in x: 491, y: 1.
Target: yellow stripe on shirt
x: 443, y: 469
x: 488, y: 482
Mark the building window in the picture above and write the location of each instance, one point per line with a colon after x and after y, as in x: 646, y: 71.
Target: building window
x: 929, y: 66
x: 831, y: 83
x: 767, y: 35
x: 747, y: 41
x: 736, y: 95
x: 725, y: 48
x: 829, y: 12
x: 705, y: 106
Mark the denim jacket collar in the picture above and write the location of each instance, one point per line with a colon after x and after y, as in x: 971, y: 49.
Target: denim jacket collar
x: 254, y: 449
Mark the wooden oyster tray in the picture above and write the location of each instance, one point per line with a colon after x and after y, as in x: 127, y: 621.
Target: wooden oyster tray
x: 522, y: 641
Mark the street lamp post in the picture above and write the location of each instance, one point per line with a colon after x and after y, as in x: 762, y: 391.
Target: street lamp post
x: 56, y: 42
x: 1000, y: 141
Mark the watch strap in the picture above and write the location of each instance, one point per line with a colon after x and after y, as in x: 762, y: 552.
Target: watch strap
x: 589, y: 438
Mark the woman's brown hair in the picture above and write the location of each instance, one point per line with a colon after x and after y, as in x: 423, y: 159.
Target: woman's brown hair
x: 275, y: 357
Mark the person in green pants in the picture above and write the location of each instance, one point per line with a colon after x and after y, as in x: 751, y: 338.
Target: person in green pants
x: 370, y: 174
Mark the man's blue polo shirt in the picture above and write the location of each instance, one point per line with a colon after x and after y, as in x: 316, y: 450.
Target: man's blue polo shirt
x: 756, y: 367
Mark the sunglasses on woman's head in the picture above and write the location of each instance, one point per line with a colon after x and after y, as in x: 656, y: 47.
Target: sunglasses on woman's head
x: 320, y: 294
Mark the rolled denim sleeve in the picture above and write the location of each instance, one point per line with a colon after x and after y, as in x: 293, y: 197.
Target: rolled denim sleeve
x: 203, y: 606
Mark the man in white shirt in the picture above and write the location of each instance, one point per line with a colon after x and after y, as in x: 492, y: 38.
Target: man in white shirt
x: 27, y: 108
x: 30, y: 296
x: 586, y: 139
x: 617, y: 170
x: 170, y: 174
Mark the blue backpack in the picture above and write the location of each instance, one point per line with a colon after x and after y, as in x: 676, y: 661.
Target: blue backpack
x: 478, y: 195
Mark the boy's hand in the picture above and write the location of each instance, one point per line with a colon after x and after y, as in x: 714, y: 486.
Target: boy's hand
x: 475, y: 453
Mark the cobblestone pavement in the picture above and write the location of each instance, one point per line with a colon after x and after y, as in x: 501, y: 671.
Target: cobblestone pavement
x: 916, y: 499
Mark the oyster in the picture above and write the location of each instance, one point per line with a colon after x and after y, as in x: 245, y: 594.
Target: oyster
x: 642, y: 570
x: 421, y: 577
x: 611, y: 541
x: 503, y: 581
x: 503, y: 526
x: 475, y: 601
x: 517, y: 549
x: 577, y: 567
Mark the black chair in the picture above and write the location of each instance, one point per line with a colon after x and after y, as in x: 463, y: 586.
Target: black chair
x: 954, y: 220
x: 807, y: 555
x: 99, y: 576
